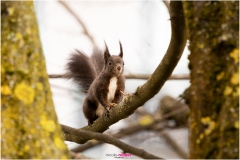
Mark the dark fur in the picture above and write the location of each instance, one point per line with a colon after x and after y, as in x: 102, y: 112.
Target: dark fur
x: 79, y: 64
x: 93, y: 75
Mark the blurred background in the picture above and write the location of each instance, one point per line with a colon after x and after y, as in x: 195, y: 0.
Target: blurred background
x: 143, y: 27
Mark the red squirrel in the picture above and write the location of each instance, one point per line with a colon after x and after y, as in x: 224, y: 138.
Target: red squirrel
x: 100, y: 76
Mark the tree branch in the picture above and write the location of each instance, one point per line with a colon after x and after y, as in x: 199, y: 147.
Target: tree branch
x: 155, y: 82
x: 147, y: 76
x: 133, y: 76
x: 85, y: 31
x: 133, y: 128
x: 174, y: 145
x: 108, y: 139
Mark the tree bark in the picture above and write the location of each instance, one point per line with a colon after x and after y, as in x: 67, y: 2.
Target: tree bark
x: 213, y: 31
x: 29, y: 127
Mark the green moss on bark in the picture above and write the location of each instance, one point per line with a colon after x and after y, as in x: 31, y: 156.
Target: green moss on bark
x: 213, y: 34
x: 29, y: 127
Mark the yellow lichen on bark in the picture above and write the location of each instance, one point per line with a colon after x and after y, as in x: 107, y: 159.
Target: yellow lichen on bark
x: 228, y: 90
x: 145, y: 120
x: 47, y: 124
x: 235, y: 55
x: 5, y: 90
x: 24, y: 93
x: 59, y: 143
x: 210, y: 125
x: 236, y: 124
x: 29, y: 123
x: 234, y: 79
x: 220, y: 76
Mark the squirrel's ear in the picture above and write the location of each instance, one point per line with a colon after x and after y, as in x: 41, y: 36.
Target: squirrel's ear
x: 121, y: 52
x: 106, y: 53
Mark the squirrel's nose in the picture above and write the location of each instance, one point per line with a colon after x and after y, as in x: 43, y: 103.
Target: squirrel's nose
x: 119, y: 68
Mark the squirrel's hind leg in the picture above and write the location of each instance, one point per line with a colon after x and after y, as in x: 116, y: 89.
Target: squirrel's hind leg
x: 89, y: 110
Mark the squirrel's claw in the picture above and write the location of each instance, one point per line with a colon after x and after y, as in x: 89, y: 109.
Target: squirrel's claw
x: 108, y: 108
x: 106, y: 113
x: 122, y: 93
x: 111, y: 105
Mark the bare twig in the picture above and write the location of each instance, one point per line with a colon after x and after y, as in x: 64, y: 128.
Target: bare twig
x: 85, y: 31
x: 147, y: 76
x: 174, y: 145
x: 57, y: 76
x: 134, y: 76
x: 168, y: 104
x: 109, y: 139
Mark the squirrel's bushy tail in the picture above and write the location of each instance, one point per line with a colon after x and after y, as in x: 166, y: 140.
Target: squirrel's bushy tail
x: 80, y: 69
x: 83, y: 70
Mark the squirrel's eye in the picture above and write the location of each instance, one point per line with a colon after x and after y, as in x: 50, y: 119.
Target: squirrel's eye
x: 110, y: 63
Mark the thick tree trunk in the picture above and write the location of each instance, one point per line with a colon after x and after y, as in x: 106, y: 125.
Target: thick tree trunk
x: 213, y: 31
x: 30, y: 127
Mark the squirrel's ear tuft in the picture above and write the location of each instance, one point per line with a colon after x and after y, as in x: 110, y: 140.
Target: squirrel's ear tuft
x: 121, y: 52
x: 106, y: 53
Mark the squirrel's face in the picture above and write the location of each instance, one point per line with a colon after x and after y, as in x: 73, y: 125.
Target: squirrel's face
x: 114, y: 66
